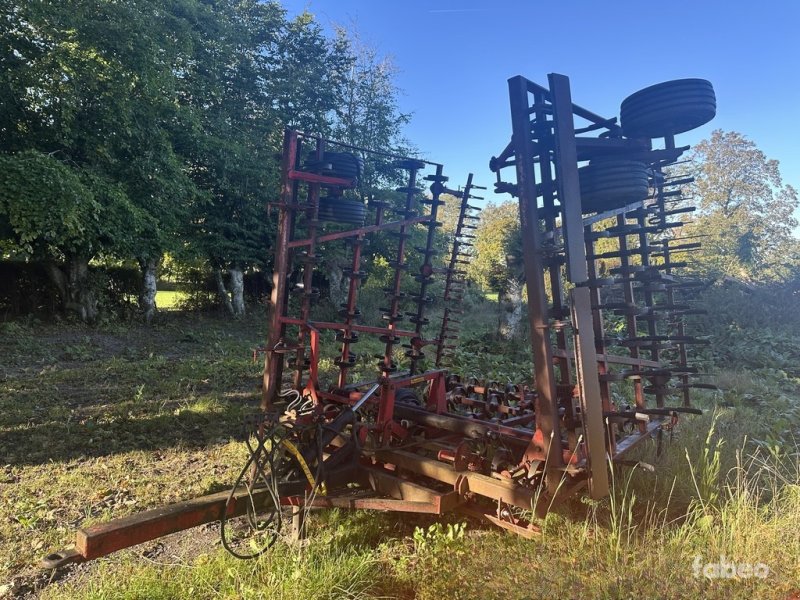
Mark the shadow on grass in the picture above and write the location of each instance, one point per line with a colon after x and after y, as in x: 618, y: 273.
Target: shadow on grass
x: 62, y: 442
x: 70, y: 391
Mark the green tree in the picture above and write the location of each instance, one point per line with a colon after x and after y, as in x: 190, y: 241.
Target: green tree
x: 230, y: 138
x: 745, y: 211
x: 497, y: 249
x: 56, y: 214
x: 304, y: 75
x: 253, y: 73
x: 90, y: 83
x: 497, y: 262
x: 165, y: 117
x: 368, y: 114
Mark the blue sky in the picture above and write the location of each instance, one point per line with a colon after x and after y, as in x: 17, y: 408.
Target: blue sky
x: 455, y: 56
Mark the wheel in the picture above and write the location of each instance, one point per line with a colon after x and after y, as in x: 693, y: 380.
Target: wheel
x: 342, y: 164
x: 340, y: 210
x: 346, y: 163
x: 668, y: 108
x: 612, y: 183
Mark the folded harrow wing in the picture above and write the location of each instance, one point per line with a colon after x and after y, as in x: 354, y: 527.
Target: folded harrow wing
x: 415, y: 437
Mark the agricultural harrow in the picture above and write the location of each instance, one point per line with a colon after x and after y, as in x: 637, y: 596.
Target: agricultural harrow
x: 415, y: 437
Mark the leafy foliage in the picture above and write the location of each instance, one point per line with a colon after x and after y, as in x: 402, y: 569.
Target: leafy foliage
x: 745, y: 210
x: 753, y: 327
x: 45, y: 206
x: 498, y: 247
x: 161, y: 122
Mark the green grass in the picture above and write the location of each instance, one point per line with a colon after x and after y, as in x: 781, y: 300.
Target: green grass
x: 628, y: 547
x: 100, y: 423
x: 170, y: 299
x: 105, y: 421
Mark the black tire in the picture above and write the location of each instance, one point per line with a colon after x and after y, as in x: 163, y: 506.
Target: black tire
x: 343, y: 164
x: 668, y: 108
x: 342, y: 211
x: 406, y: 396
x: 612, y: 183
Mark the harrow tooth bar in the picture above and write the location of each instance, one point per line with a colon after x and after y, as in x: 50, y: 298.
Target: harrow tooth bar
x: 286, y: 349
x: 564, y: 407
x: 436, y: 178
x: 394, y: 292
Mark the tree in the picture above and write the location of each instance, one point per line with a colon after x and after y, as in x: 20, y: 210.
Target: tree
x: 253, y: 73
x: 497, y: 249
x: 304, y: 75
x: 90, y: 83
x: 497, y: 262
x: 164, y: 118
x: 744, y: 210
x: 368, y: 114
x: 230, y: 137
x: 56, y: 214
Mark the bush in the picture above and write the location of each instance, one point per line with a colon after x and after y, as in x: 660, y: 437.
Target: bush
x: 25, y: 289
x: 752, y: 327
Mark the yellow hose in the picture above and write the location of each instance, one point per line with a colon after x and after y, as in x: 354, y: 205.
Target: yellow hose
x: 303, y: 465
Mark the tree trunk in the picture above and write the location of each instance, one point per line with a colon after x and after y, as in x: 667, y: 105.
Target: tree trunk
x: 74, y: 287
x: 512, y: 303
x: 237, y: 291
x: 147, y: 299
x: 337, y: 290
x: 222, y: 292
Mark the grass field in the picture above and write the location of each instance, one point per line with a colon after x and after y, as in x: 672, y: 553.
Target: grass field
x: 169, y: 299
x: 100, y: 423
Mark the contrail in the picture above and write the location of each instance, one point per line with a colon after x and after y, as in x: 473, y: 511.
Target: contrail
x: 455, y: 10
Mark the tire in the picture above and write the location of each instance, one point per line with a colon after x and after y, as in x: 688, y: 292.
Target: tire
x: 406, y: 396
x: 668, y: 108
x: 612, y: 183
x: 342, y: 211
x: 343, y: 164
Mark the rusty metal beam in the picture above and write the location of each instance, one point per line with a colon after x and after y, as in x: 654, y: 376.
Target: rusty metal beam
x: 633, y: 440
x: 569, y: 194
x: 273, y: 366
x: 619, y: 360
x: 477, y: 484
x: 547, y: 420
x: 105, y: 538
x: 484, y: 514
x: 465, y: 426
x: 340, y: 235
x: 370, y: 503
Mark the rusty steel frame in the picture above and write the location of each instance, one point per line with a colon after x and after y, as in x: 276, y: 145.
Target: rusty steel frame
x: 485, y: 448
x: 545, y: 143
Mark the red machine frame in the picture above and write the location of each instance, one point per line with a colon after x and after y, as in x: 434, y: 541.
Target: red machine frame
x: 493, y: 450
